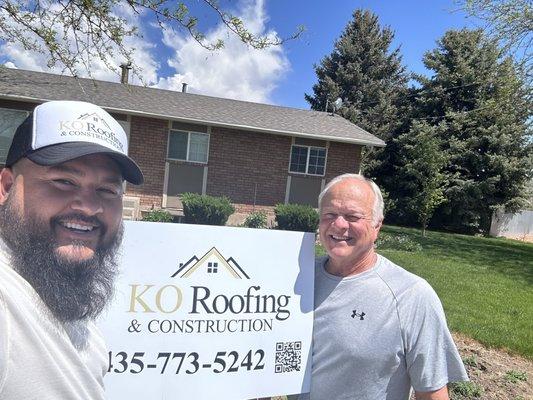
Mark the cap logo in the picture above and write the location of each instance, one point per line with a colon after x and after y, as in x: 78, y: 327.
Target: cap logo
x: 90, y: 126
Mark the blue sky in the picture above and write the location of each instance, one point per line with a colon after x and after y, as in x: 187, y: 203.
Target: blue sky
x: 417, y: 24
x: 279, y: 75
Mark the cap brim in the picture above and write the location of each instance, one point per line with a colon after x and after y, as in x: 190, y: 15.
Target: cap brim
x: 60, y: 153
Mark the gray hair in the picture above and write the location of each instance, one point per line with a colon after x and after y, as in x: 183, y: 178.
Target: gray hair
x: 377, y: 209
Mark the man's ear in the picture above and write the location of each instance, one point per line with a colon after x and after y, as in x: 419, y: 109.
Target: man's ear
x: 7, y: 179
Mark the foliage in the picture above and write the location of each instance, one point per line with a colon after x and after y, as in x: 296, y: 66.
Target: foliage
x: 470, y: 361
x: 389, y: 203
x: 513, y: 376
x: 256, y: 219
x: 367, y: 76
x: 296, y: 217
x: 465, y: 390
x: 479, y: 103
x: 71, y: 33
x: 206, y: 210
x: 419, y: 171
x: 397, y: 242
x: 508, y: 21
x: 158, y: 216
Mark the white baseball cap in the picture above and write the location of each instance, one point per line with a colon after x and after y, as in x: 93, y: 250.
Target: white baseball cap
x: 59, y: 131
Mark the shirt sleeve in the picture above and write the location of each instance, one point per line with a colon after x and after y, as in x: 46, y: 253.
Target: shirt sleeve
x: 431, y: 356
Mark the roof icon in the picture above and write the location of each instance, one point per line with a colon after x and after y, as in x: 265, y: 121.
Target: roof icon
x: 211, y: 260
x: 96, y: 118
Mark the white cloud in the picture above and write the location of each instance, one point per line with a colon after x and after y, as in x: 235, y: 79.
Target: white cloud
x: 14, y: 55
x: 236, y: 71
x: 9, y: 64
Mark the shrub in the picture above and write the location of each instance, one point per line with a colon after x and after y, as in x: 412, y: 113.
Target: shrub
x: 296, y: 217
x: 470, y: 361
x: 466, y: 390
x: 513, y: 376
x: 158, y: 216
x: 397, y: 242
x: 256, y: 219
x: 206, y: 210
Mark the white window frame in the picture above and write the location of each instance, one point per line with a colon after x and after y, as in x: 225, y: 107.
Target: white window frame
x: 307, y: 159
x: 170, y: 131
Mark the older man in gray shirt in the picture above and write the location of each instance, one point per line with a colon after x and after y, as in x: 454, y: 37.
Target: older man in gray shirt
x: 379, y: 330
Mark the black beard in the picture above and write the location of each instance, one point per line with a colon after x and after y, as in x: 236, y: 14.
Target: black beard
x: 72, y: 290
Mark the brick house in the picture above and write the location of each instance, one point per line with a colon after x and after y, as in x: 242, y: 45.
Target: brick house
x: 256, y: 154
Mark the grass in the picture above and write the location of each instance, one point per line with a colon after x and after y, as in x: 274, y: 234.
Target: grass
x: 485, y: 284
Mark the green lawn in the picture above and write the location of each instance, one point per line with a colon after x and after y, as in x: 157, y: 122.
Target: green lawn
x: 485, y: 284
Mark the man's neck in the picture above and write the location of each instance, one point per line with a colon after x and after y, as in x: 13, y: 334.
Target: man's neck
x: 338, y: 268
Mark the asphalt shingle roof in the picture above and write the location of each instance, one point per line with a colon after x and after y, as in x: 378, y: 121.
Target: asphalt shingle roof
x: 16, y: 84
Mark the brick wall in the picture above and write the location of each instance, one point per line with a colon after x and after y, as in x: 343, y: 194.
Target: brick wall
x: 310, y: 142
x: 148, y: 147
x: 342, y: 158
x: 238, y: 161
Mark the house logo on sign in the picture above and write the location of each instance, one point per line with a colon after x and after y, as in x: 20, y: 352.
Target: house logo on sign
x: 211, y: 263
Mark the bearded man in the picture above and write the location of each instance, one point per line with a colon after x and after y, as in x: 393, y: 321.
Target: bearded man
x: 60, y: 227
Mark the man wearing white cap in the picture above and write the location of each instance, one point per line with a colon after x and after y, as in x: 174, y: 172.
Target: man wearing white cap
x: 60, y: 226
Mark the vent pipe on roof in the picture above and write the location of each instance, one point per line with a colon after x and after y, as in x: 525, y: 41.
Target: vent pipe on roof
x: 184, y: 87
x: 125, y: 72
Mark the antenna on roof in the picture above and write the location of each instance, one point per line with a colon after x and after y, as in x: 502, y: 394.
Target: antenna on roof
x: 336, y: 105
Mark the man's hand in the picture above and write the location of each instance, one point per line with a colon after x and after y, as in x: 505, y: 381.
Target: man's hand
x: 441, y: 394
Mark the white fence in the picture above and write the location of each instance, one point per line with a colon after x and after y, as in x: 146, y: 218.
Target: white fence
x: 515, y: 226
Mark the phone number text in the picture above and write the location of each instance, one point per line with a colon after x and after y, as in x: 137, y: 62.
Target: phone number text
x: 188, y: 363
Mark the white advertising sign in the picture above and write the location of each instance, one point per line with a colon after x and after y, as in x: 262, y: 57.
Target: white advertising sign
x: 204, y: 312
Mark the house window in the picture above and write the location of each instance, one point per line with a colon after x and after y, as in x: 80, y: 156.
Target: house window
x: 308, y: 160
x: 188, y: 146
x: 9, y: 121
x: 212, y: 268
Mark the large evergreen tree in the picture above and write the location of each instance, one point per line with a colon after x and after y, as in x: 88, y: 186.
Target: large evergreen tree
x: 366, y: 74
x: 479, y: 97
x: 419, y: 174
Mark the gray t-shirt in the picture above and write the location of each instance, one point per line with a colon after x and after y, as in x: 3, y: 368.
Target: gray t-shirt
x: 378, y: 333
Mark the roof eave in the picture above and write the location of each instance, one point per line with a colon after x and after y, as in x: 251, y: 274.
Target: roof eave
x: 362, y: 142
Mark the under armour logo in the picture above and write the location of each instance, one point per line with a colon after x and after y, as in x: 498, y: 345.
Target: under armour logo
x: 360, y: 315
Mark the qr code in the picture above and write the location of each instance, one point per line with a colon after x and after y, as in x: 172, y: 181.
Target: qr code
x: 288, y: 356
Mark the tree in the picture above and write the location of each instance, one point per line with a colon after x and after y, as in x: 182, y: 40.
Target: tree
x: 510, y: 22
x: 366, y: 75
x: 419, y: 172
x: 72, y: 32
x: 480, y: 102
